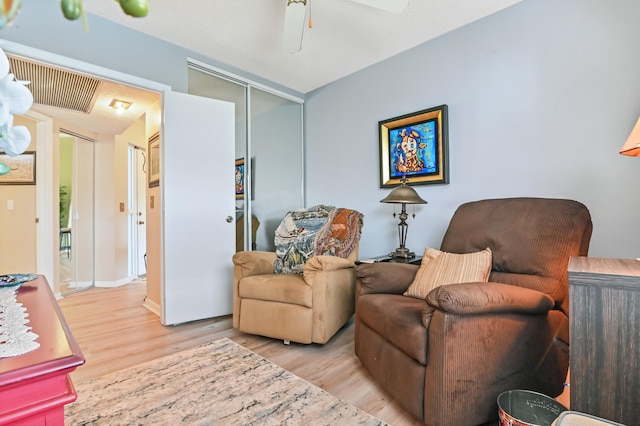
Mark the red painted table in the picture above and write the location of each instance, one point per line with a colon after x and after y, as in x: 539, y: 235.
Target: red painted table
x: 34, y: 387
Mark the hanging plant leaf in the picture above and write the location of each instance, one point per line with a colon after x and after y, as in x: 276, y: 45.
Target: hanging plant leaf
x: 71, y: 9
x: 135, y: 8
x: 4, y: 169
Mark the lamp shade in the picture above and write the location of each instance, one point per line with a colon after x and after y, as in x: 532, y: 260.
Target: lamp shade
x: 632, y: 146
x: 403, y: 194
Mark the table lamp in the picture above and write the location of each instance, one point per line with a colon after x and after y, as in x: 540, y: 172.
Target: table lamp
x: 403, y: 195
x: 632, y: 146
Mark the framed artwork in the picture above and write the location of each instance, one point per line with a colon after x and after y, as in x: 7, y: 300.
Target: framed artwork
x: 239, y: 179
x: 416, y: 146
x: 154, y: 160
x: 22, y: 169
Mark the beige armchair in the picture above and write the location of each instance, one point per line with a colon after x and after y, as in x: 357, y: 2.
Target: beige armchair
x: 309, y: 307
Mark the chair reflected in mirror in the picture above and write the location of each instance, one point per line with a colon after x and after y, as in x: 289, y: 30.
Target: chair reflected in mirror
x: 65, y: 241
x: 255, y: 224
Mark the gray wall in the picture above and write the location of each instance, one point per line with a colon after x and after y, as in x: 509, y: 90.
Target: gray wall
x: 541, y: 97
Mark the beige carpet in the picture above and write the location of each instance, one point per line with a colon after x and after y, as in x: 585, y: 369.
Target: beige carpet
x: 218, y: 383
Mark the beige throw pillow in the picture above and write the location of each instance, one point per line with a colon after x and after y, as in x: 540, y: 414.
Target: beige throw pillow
x: 441, y: 268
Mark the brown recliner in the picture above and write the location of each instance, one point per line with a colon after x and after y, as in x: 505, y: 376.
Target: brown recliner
x: 447, y: 358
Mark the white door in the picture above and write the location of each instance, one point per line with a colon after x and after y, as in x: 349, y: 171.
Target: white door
x: 140, y: 219
x: 137, y: 228
x: 197, y: 191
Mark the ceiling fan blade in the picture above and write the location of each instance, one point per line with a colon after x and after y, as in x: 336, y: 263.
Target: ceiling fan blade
x: 393, y: 6
x: 294, y: 17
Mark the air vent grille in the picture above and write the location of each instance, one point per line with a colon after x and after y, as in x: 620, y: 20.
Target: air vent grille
x: 56, y: 87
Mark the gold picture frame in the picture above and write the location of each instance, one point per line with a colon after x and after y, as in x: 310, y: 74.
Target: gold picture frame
x: 23, y: 169
x: 153, y: 152
x: 415, y: 145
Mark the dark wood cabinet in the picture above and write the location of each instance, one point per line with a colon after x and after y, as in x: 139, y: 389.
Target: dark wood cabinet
x: 605, y: 337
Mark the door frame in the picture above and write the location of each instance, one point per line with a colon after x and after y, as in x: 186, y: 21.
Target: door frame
x: 45, y: 242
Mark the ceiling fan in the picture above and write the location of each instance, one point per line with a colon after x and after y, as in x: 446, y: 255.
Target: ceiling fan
x: 296, y: 11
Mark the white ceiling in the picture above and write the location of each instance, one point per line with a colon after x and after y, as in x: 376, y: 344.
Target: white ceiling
x: 247, y: 35
x: 346, y: 36
x: 102, y: 119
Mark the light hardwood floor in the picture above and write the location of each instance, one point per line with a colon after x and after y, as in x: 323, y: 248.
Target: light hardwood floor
x: 114, y: 331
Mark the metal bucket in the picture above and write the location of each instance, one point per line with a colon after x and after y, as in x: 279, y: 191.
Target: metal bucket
x: 527, y: 408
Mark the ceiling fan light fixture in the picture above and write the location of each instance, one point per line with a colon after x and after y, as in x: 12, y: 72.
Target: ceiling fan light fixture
x: 294, y: 15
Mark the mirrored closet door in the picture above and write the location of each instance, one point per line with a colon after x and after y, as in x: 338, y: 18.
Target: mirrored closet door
x: 269, y: 149
x: 76, y: 213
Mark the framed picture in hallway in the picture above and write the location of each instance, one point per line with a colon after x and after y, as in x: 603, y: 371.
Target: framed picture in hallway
x: 415, y: 145
x: 154, y: 160
x: 239, y: 179
x: 21, y: 169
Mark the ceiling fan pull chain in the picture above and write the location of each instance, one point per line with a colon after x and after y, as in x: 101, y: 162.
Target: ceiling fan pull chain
x: 310, y: 20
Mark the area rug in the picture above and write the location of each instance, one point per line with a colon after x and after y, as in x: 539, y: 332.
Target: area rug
x: 219, y: 383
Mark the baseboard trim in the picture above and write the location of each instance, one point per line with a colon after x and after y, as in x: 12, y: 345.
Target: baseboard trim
x: 111, y: 284
x: 152, y: 306
x: 79, y: 284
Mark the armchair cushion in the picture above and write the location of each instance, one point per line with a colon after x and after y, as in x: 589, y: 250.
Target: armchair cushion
x: 439, y: 268
x: 286, y: 288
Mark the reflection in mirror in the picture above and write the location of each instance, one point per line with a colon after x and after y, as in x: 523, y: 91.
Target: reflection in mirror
x: 277, y: 149
x: 76, y: 250
x: 271, y: 152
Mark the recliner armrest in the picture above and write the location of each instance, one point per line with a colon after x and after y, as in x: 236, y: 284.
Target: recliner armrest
x: 327, y: 263
x: 254, y: 262
x: 385, y: 277
x: 480, y: 298
x: 317, y: 264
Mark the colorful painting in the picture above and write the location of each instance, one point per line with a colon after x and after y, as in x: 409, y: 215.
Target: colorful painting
x: 239, y: 179
x: 415, y: 146
x: 413, y: 149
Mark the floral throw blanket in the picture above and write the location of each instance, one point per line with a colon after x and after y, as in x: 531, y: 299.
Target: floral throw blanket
x: 318, y: 230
